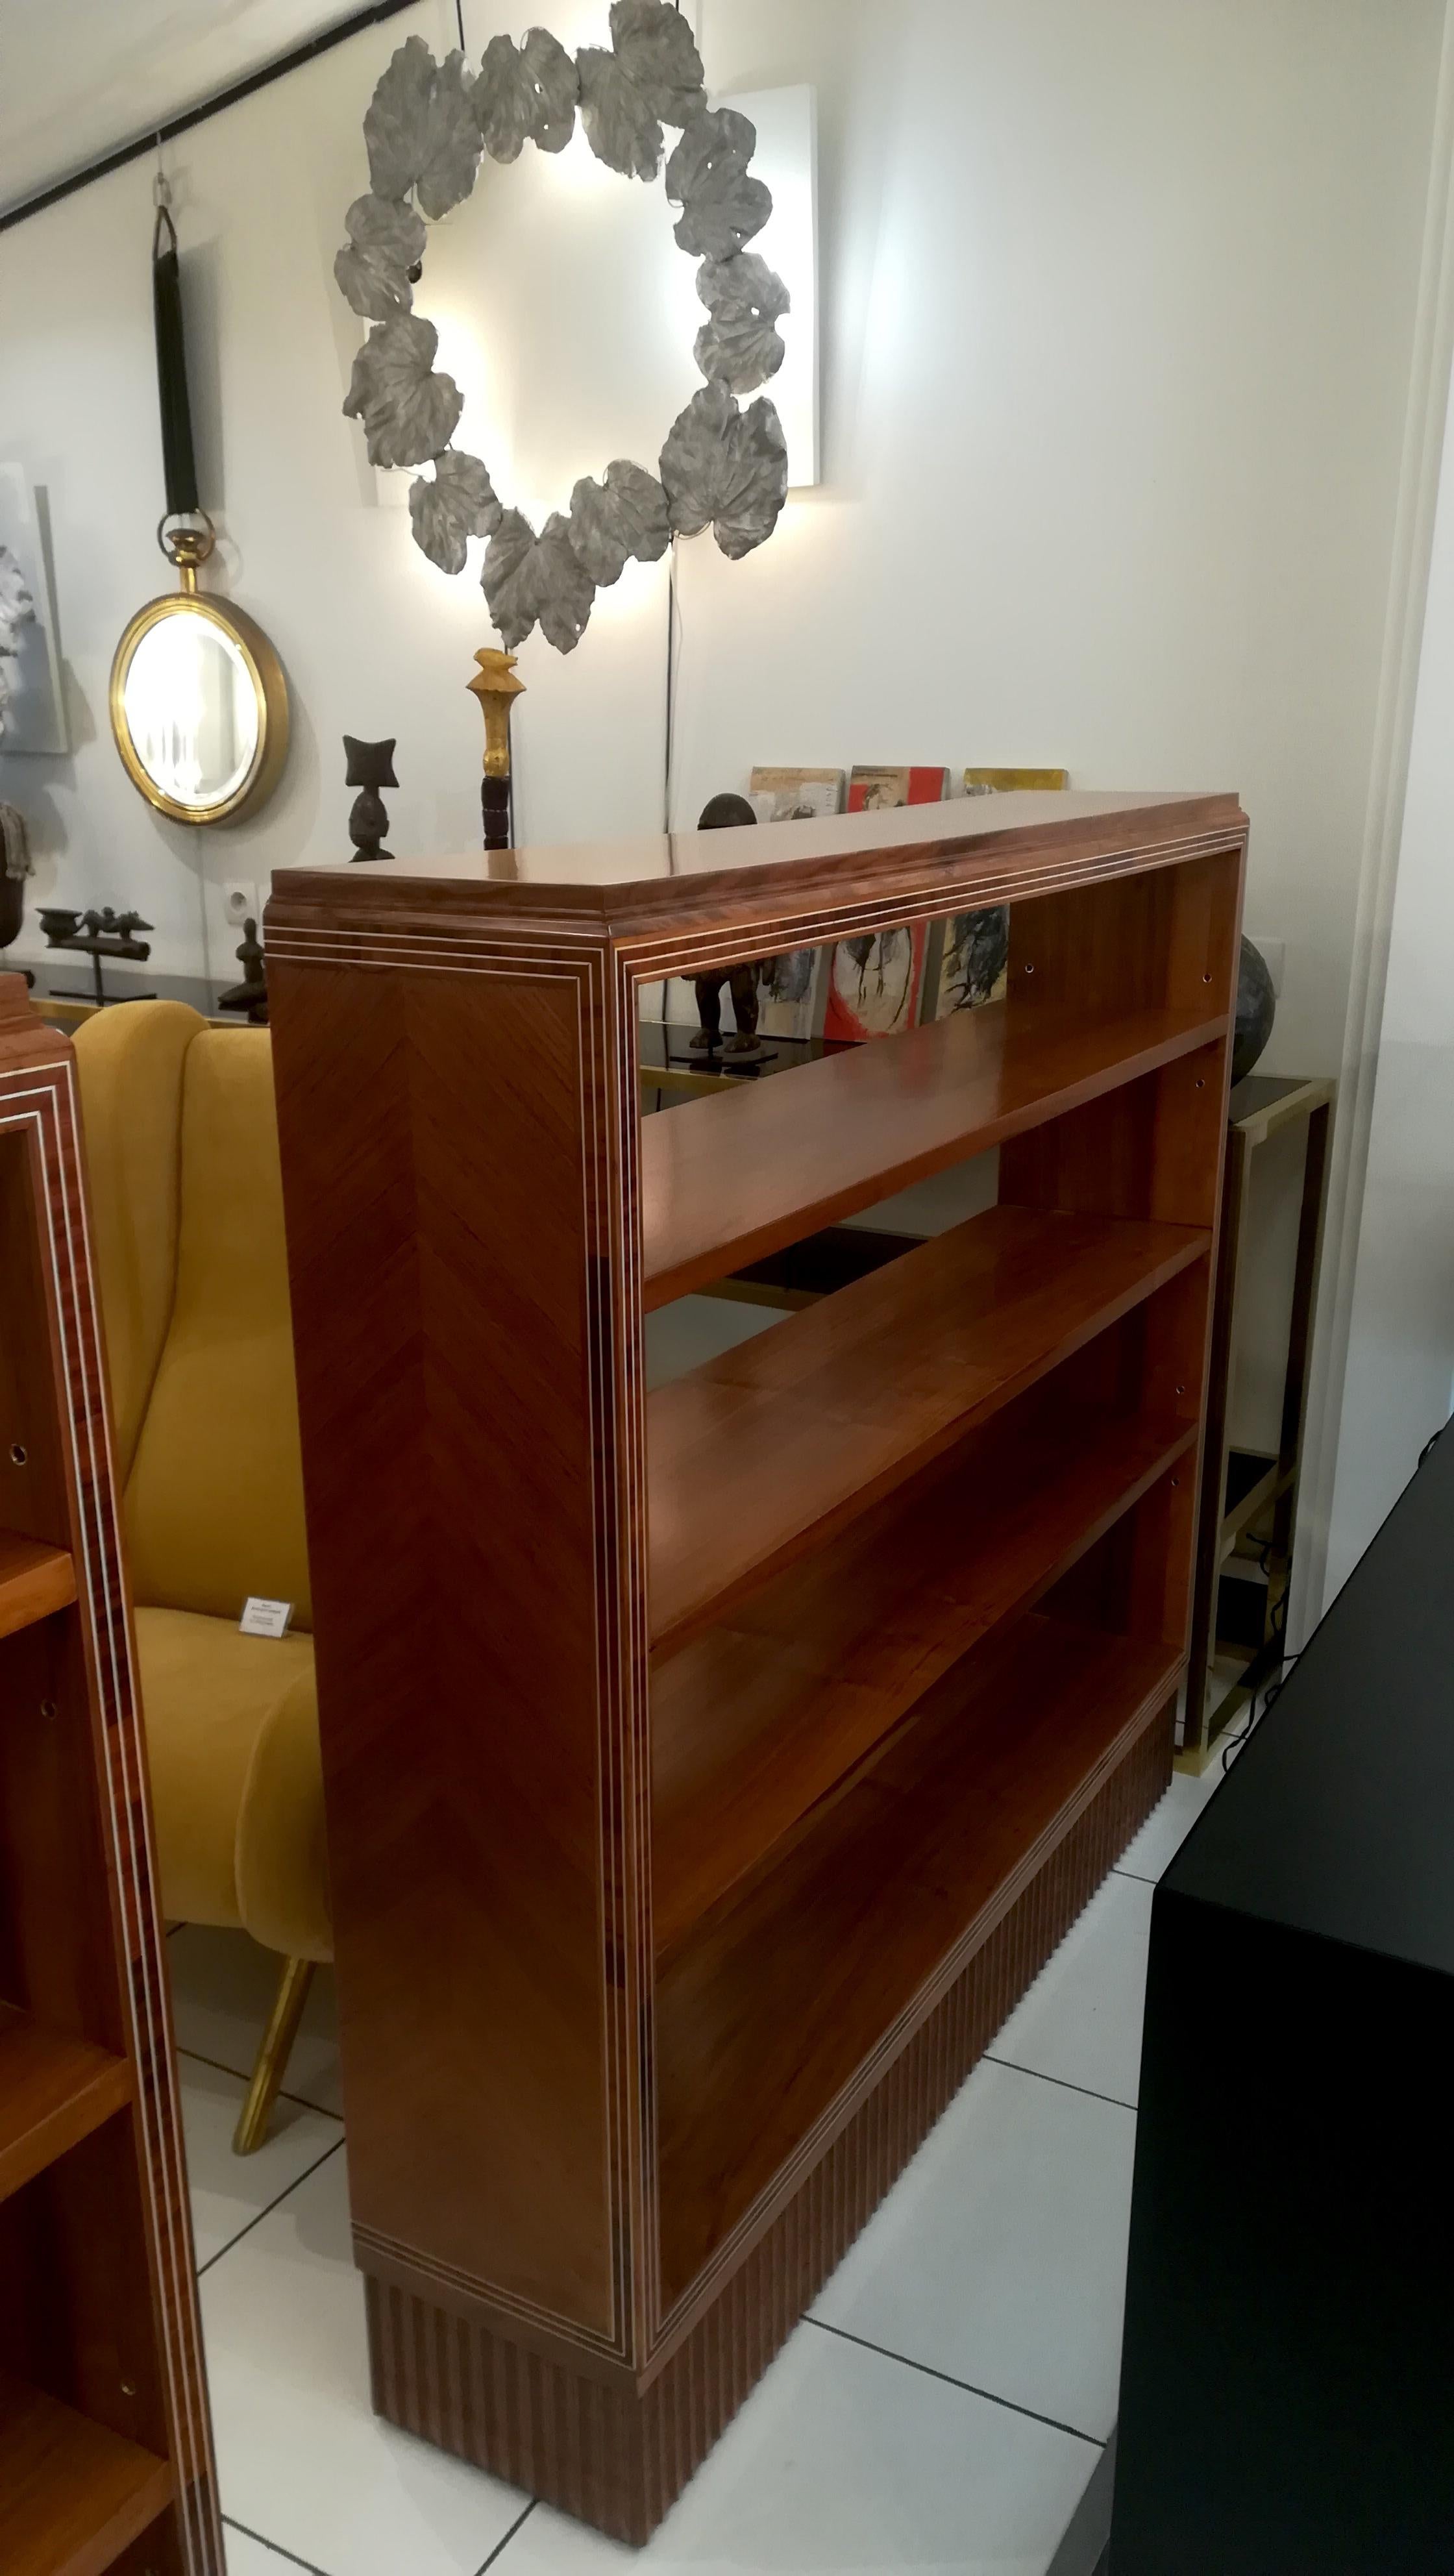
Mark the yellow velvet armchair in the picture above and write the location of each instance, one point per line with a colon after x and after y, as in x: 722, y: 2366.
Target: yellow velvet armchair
x: 181, y: 1145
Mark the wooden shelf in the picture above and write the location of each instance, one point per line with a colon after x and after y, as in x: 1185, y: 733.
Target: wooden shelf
x: 845, y: 1665
x: 758, y: 1721
x: 98, y: 2295
x: 72, y: 2494
x: 734, y: 1178
x: 34, y: 1580
x: 780, y: 1998
x: 770, y: 1448
x: 53, y: 2092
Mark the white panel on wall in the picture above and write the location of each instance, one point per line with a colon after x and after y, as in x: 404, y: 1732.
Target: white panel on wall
x: 35, y: 715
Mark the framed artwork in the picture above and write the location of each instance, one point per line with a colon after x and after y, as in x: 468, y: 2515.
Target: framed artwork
x: 793, y: 990
x: 793, y: 795
x: 969, y: 954
x: 967, y: 962
x: 875, y: 985
x: 871, y: 791
x: 35, y: 713
x: 1000, y: 782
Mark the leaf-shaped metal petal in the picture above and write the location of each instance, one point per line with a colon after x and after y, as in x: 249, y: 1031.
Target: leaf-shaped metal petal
x: 623, y: 515
x: 397, y: 119
x: 707, y: 176
x: 653, y: 44
x: 422, y: 131
x: 409, y: 414
x: 620, y: 128
x: 385, y: 240
x: 459, y: 504
x: 727, y: 466
x: 529, y: 578
x: 526, y: 95
x: 740, y: 346
x: 452, y: 142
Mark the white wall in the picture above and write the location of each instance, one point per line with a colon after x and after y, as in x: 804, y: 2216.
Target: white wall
x: 1117, y: 309
x: 1397, y: 1387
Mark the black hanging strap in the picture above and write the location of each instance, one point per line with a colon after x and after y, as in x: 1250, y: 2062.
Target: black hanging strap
x: 179, y: 465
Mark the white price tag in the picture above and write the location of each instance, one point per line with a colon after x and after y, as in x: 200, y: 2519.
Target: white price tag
x: 264, y: 1618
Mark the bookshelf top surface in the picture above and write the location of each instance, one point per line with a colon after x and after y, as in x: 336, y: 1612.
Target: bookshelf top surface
x: 749, y: 875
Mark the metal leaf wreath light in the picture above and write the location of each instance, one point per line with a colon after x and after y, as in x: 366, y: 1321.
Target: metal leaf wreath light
x: 723, y: 467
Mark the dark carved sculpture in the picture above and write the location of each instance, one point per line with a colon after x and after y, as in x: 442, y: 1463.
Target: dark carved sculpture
x: 251, y: 995
x: 370, y: 767
x: 723, y: 813
x: 97, y: 935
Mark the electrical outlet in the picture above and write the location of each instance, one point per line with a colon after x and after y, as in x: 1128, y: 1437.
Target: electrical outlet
x: 1271, y: 952
x: 240, y: 903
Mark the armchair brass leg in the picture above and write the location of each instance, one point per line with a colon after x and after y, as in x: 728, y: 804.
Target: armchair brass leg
x: 270, y: 2064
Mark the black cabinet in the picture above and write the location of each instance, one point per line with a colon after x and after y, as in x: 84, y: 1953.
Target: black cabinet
x: 1287, y: 2396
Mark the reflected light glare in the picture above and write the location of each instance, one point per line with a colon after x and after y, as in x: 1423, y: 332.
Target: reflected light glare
x: 190, y: 710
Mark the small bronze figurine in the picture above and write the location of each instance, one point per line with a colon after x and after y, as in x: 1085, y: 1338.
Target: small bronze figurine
x: 251, y: 995
x: 723, y: 813
x: 97, y: 935
x: 370, y: 767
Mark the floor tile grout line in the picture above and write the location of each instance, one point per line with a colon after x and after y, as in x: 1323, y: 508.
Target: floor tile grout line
x: 1063, y: 2081
x: 1138, y: 1874
x: 502, y: 2545
x: 272, y: 2205
x: 220, y: 2066
x: 232, y: 2524
x: 969, y: 2386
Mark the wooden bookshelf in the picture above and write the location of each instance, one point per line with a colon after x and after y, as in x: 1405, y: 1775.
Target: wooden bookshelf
x: 73, y: 2496
x: 709, y: 1773
x: 34, y: 1580
x: 762, y: 1167
x: 105, y: 2451
x: 767, y: 1451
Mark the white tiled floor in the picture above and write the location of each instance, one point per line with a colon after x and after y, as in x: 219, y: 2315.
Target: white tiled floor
x: 938, y: 2414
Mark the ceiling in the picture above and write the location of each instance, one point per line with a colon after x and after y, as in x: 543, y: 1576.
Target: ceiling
x: 80, y: 77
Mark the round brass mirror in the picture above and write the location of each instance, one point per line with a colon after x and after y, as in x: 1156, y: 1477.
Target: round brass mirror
x: 199, y: 705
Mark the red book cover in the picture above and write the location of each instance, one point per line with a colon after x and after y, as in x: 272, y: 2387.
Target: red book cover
x: 876, y: 983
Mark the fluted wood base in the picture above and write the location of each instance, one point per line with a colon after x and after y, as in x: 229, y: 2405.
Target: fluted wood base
x: 618, y: 2453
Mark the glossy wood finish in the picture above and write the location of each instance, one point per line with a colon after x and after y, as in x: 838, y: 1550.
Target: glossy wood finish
x: 98, y: 2319
x: 34, y: 1580
x: 814, y: 1672
x: 728, y: 1180
x: 908, y: 1864
x: 53, y: 2092
x: 780, y: 882
x: 689, y: 1760
x: 72, y: 2495
x: 769, y: 1449
x: 618, y: 2453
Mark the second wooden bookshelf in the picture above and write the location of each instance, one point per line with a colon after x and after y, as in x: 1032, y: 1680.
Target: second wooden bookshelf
x: 709, y: 1771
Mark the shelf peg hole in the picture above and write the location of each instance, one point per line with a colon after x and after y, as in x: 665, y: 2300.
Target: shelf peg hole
x: 128, y: 2388
x: 1206, y: 979
x: 1181, y: 1390
x: 47, y: 1708
x: 1201, y: 1086
x: 19, y: 1454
